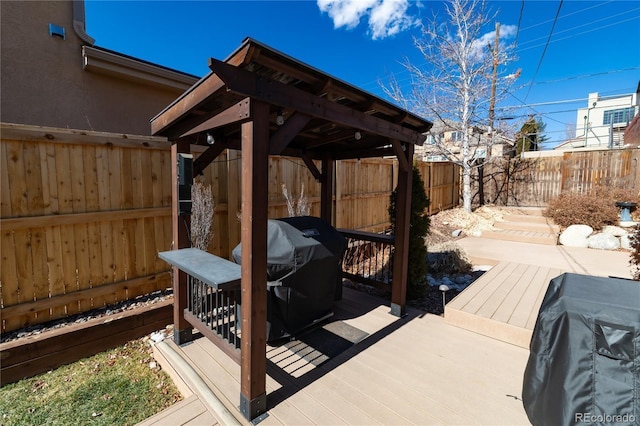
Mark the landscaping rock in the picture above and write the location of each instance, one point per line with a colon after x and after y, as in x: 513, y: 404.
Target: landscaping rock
x: 616, y: 231
x: 576, y: 236
x: 604, y: 242
x: 625, y: 242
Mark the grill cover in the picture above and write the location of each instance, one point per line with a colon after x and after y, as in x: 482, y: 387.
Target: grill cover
x: 582, y: 353
x: 304, y: 257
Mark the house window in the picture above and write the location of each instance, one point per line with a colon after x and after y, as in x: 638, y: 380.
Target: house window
x: 622, y: 115
x: 431, y: 140
x: 456, y: 136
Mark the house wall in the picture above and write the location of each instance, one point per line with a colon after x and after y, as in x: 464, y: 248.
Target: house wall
x: 598, y: 134
x: 43, y: 82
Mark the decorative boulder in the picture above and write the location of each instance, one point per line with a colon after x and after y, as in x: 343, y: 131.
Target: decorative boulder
x: 604, y: 242
x: 625, y: 242
x: 576, y: 236
x: 616, y: 231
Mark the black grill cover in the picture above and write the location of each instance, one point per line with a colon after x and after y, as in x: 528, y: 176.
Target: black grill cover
x: 304, y: 257
x: 584, y: 363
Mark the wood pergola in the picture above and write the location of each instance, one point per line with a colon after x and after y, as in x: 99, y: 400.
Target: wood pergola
x: 263, y: 103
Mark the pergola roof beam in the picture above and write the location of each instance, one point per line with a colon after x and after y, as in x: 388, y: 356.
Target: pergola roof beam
x: 248, y: 84
x: 287, y: 132
x: 234, y: 114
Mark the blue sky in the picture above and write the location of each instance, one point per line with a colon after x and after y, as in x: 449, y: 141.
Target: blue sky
x: 594, y: 47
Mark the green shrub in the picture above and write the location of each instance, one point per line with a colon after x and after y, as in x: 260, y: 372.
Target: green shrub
x: 417, y: 274
x: 596, y: 208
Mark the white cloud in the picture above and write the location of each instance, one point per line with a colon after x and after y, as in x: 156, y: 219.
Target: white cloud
x: 480, y: 45
x: 386, y: 17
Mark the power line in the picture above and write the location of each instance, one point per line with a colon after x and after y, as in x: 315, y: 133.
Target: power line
x: 596, y: 74
x: 545, y: 48
x: 515, y: 43
x: 587, y: 24
x: 567, y: 15
x: 584, y: 32
x: 564, y: 101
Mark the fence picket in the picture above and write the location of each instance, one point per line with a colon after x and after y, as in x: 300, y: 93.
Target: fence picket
x: 43, y: 178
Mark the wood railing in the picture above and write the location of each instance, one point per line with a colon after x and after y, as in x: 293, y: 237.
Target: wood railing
x: 213, y: 296
x: 367, y: 259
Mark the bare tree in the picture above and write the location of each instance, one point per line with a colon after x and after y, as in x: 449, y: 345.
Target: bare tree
x: 299, y: 207
x: 202, y: 215
x: 463, y: 62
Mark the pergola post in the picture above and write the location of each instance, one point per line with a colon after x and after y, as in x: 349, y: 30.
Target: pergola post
x: 326, y: 190
x: 402, y: 228
x: 182, y: 332
x: 255, y: 172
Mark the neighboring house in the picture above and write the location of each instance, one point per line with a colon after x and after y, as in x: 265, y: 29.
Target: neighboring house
x: 443, y: 138
x: 603, y: 122
x: 52, y: 74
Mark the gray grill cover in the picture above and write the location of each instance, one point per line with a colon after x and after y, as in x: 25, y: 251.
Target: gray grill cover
x: 584, y: 364
x: 304, y: 256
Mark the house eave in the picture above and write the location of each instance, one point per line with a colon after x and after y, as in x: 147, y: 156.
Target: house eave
x: 107, y: 63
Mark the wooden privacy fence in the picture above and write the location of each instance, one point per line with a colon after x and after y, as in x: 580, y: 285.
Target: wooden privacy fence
x: 536, y: 181
x: 84, y: 214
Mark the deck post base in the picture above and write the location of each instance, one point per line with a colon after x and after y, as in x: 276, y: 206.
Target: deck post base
x: 253, y: 408
x: 398, y: 310
x: 182, y: 336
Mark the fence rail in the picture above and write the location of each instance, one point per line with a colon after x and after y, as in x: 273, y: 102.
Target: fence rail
x: 536, y: 181
x: 83, y: 215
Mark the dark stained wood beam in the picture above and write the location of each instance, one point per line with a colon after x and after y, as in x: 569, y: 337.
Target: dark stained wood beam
x: 365, y: 153
x: 285, y: 133
x: 292, y: 71
x: 312, y: 167
x: 344, y: 136
x: 206, y: 89
x: 248, y: 84
x: 402, y: 159
x: 326, y: 190
x: 255, y: 189
x: 402, y: 229
x: 234, y: 114
x: 179, y: 227
x: 204, y: 159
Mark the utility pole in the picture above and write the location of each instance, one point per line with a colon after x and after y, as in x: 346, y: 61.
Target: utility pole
x: 494, y: 77
x: 492, y: 108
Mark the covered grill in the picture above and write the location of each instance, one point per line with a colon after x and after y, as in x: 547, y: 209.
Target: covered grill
x: 585, y: 353
x: 304, y: 257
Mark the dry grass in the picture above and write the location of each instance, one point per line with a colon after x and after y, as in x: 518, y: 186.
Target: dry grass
x: 122, y: 386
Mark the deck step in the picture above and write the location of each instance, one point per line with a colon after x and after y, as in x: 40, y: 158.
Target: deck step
x: 526, y: 218
x: 548, y: 228
x: 522, y: 236
x: 503, y: 303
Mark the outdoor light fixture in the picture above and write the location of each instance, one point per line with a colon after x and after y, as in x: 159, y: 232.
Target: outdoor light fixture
x: 210, y: 139
x: 279, y: 118
x: 444, y: 289
x: 358, y: 135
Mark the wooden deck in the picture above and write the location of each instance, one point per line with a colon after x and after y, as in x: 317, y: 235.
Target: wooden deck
x: 503, y: 303
x: 369, y: 367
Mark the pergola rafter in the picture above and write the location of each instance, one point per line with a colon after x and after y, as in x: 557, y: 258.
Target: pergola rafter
x: 238, y: 104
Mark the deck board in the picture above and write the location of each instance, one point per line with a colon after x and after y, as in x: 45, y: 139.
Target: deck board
x: 190, y: 411
x: 415, y: 370
x: 505, y: 303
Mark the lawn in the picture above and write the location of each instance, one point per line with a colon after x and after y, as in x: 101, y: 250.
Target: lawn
x: 122, y: 386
